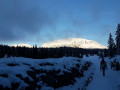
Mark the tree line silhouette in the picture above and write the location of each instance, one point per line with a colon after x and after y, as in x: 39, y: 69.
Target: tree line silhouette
x: 41, y: 53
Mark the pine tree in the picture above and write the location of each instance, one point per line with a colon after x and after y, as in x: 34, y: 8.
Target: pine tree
x: 118, y: 40
x: 105, y: 52
x: 111, y: 46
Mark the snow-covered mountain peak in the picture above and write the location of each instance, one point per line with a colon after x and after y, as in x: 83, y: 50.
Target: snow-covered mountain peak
x: 21, y: 45
x: 74, y: 42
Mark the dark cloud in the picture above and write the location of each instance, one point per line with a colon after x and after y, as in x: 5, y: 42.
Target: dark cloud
x: 20, y: 19
x: 39, y: 20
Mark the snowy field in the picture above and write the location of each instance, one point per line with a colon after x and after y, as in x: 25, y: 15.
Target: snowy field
x: 26, y: 73
x: 57, y: 73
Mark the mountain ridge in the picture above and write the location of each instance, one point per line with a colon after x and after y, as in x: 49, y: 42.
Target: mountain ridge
x: 21, y: 45
x: 74, y: 42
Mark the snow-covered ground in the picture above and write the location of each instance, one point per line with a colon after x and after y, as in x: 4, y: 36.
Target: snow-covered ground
x: 19, y: 72
x: 22, y: 72
x: 111, y: 81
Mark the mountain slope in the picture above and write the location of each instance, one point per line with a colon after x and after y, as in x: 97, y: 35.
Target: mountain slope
x: 74, y: 42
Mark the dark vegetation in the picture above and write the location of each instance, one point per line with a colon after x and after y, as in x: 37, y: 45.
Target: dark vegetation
x: 41, y: 53
x: 56, y: 81
x: 4, y: 75
x: 12, y: 64
x: 51, y: 78
x: 115, y: 65
x: 114, y: 49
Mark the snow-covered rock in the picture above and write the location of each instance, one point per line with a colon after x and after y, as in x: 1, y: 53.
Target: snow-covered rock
x: 21, y: 45
x: 74, y: 42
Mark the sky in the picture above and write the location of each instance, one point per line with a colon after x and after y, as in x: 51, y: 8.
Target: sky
x: 39, y: 21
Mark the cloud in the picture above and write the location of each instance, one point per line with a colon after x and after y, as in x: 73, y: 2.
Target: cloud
x: 20, y: 19
x: 38, y: 21
x: 23, y: 19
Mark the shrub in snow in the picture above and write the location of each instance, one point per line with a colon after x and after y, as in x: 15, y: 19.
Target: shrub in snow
x: 4, y: 75
x: 26, y: 73
x: 12, y: 64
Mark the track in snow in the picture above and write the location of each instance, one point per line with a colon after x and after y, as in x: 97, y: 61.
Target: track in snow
x: 99, y: 82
